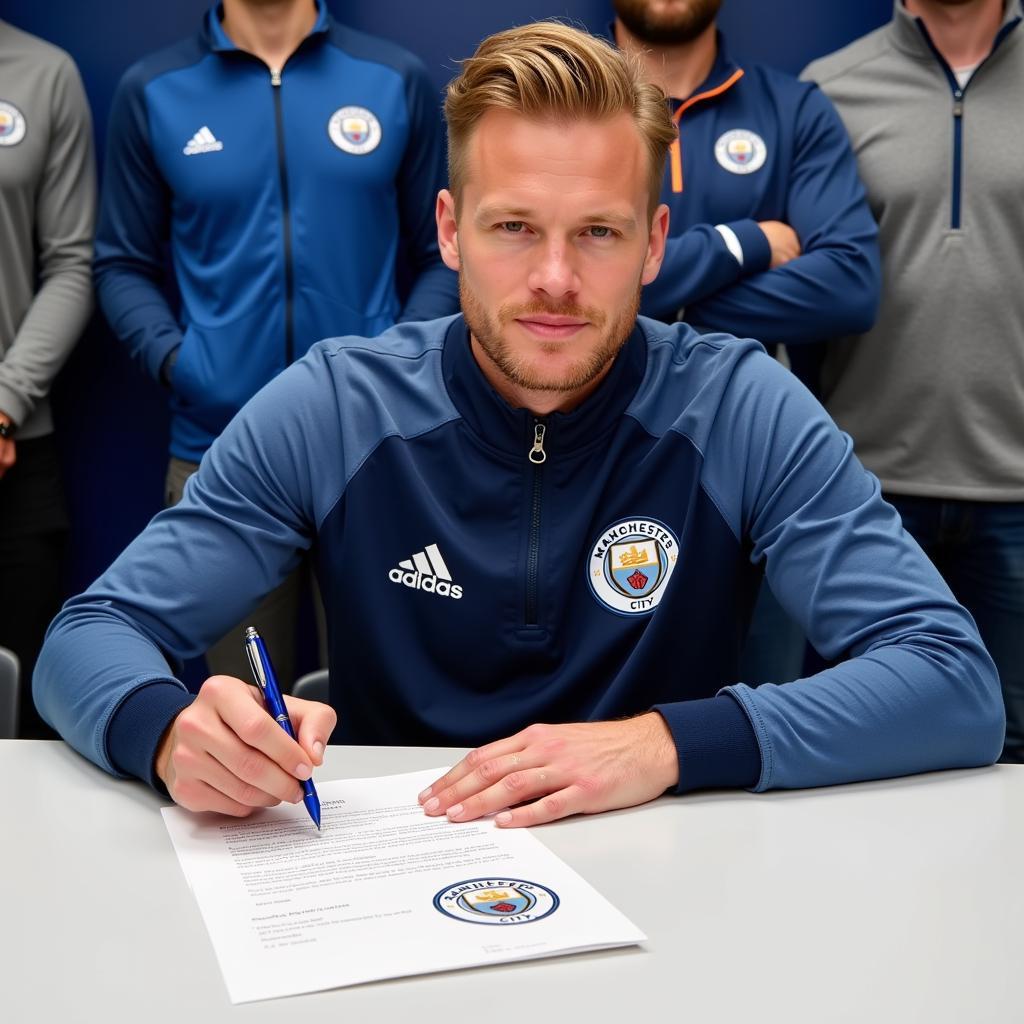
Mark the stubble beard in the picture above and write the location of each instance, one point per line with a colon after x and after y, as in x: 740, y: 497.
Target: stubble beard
x: 671, y: 29
x: 517, y: 369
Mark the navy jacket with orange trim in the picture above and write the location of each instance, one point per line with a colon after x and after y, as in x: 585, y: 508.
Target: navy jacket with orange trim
x: 756, y: 144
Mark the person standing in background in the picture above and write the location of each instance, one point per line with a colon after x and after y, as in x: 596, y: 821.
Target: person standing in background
x: 287, y: 160
x: 770, y: 233
x: 933, y: 395
x: 47, y: 215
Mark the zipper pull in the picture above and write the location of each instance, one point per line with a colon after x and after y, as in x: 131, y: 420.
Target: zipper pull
x: 537, y: 454
x: 275, y: 77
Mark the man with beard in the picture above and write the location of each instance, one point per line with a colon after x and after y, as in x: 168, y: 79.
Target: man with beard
x: 771, y: 236
x: 542, y: 511
x: 932, y: 395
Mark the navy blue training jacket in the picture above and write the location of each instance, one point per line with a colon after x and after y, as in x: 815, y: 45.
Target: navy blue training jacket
x: 471, y: 591
x: 756, y: 144
x: 284, y: 201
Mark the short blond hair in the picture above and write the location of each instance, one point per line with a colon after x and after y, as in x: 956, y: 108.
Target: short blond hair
x: 551, y: 70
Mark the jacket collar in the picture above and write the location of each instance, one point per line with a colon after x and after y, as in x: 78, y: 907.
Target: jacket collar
x: 510, y: 430
x: 910, y: 35
x: 218, y: 40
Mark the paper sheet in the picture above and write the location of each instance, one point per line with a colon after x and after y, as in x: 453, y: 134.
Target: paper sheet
x: 383, y: 891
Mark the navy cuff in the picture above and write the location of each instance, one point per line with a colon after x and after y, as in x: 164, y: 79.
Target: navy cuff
x: 757, y: 251
x: 715, y: 743
x: 135, y: 731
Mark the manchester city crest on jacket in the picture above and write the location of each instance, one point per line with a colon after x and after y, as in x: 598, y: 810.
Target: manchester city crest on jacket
x: 630, y: 565
x: 740, y: 151
x: 12, y: 124
x: 355, y: 130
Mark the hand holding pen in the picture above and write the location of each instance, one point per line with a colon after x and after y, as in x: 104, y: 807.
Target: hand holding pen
x: 224, y: 753
x: 263, y: 672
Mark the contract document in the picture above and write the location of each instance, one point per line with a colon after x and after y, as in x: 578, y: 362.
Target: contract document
x: 383, y: 891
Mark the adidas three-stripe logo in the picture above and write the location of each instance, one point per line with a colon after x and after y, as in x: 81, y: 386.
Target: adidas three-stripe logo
x: 204, y: 141
x: 426, y: 570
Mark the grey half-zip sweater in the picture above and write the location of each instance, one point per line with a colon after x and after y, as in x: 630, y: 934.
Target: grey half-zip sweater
x: 933, y: 395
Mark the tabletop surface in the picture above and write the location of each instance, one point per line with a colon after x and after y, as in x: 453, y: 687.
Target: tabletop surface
x: 888, y: 901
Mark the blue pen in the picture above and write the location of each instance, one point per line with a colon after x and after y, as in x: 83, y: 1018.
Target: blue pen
x: 263, y: 672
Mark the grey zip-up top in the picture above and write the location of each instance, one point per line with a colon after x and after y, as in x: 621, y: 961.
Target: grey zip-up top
x: 933, y: 395
x: 47, y: 213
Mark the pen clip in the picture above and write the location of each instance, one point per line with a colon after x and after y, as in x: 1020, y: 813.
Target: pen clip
x: 251, y: 650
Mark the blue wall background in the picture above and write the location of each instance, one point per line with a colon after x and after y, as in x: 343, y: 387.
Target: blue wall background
x: 112, y: 422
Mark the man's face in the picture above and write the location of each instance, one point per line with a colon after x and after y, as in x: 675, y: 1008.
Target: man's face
x: 667, y: 22
x: 552, y: 243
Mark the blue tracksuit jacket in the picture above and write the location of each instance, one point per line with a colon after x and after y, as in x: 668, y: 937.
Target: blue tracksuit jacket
x: 471, y: 590
x: 284, y: 200
x: 757, y: 144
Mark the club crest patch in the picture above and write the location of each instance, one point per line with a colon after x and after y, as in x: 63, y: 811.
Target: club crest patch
x: 630, y: 565
x: 740, y: 151
x: 496, y: 901
x: 12, y: 124
x: 355, y: 130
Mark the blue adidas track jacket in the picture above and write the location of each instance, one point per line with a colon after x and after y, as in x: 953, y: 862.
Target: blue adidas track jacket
x: 284, y: 201
x: 756, y: 144
x: 472, y: 590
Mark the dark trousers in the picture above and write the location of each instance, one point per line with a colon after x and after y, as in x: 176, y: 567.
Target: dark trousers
x: 33, y: 535
x: 979, y: 549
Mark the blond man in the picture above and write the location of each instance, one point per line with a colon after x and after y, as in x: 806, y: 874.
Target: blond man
x: 534, y: 521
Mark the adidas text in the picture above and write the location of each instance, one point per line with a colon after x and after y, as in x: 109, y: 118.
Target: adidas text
x: 431, y: 584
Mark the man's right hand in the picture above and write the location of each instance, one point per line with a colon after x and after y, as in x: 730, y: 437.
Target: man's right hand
x: 224, y: 752
x: 783, y: 241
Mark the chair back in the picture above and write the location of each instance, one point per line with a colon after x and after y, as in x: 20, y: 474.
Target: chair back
x: 9, y: 673
x: 313, y: 686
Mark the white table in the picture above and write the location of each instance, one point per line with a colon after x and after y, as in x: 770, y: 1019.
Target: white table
x: 895, y: 901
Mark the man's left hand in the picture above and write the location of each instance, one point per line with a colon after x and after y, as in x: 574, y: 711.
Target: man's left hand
x: 553, y: 771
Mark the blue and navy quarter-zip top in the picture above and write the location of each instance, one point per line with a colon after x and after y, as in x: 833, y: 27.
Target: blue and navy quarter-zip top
x: 484, y: 568
x: 284, y: 195
x: 756, y: 144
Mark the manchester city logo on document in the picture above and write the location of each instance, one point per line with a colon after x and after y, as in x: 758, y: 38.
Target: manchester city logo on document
x: 496, y: 901
x: 355, y: 130
x: 741, y: 151
x: 630, y: 565
x: 12, y: 124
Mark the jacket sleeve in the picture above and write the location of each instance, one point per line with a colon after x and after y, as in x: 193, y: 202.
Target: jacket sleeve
x: 106, y: 676
x: 65, y: 215
x: 698, y: 263
x: 131, y: 239
x: 915, y: 690
x: 435, y: 289
x: 832, y: 289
